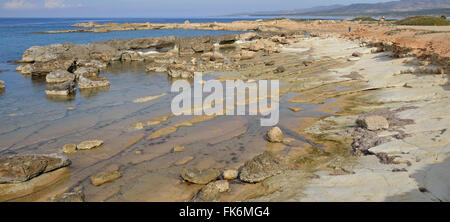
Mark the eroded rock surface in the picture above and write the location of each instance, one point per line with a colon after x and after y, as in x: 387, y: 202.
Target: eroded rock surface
x: 200, y: 176
x: 261, y: 167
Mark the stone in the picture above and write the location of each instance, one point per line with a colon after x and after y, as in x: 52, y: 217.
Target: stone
x: 104, y: 177
x: 261, y: 167
x: 76, y: 195
x: 59, y: 76
x: 92, y: 82
x: 25, y: 68
x: 89, y: 144
x: 158, y: 69
x: 69, y: 148
x: 373, y: 123
x: 357, y: 54
x: 295, y: 109
x: 21, y: 168
x: 62, y: 89
x: 2, y: 84
x: 230, y: 174
x: 275, y: 135
x: 212, y: 190
x: 197, y: 176
x: 178, y: 148
x: 179, y: 71
x: 86, y: 72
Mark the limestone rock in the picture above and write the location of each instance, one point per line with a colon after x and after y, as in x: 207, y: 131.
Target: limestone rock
x: 59, y: 76
x: 104, y: 177
x: 373, y: 122
x: 275, y: 135
x: 393, y: 147
x: 21, y: 168
x: 62, y: 89
x: 86, y: 72
x: 200, y: 176
x: 213, y: 56
x: 89, y: 144
x: 230, y: 174
x: 261, y: 167
x: 69, y: 148
x: 179, y: 71
x: 2, y: 84
x: 178, y: 148
x: 157, y: 69
x: 212, y: 190
x: 92, y: 82
x: 247, y: 55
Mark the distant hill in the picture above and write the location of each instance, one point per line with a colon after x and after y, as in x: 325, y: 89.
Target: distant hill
x: 394, y: 8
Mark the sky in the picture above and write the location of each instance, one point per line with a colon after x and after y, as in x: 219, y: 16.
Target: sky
x: 153, y: 8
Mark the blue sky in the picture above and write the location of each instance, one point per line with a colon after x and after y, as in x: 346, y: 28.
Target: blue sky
x: 153, y: 8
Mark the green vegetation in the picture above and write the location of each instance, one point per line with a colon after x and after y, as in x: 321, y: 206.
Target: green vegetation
x: 423, y: 20
x: 364, y: 19
x: 443, y: 17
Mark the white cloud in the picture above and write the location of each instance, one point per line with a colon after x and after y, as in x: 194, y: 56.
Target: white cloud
x: 55, y: 4
x: 18, y: 4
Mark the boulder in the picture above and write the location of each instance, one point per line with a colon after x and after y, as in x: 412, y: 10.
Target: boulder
x: 261, y: 167
x: 373, y: 122
x: 21, y: 168
x: 230, y: 174
x: 200, y: 176
x: 89, y: 144
x: 59, y: 76
x: 25, y: 68
x: 275, y: 135
x: 104, y: 177
x: 62, y: 89
x: 86, y: 72
x: 69, y: 148
x: 43, y: 68
x: 88, y: 82
x: 211, y: 192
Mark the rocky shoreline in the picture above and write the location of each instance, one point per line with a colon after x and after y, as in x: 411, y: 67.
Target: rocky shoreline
x: 387, y: 142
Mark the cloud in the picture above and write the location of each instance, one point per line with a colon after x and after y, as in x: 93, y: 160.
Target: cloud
x: 52, y: 4
x: 18, y: 4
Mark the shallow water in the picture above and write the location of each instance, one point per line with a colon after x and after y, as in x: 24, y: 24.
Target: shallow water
x: 32, y: 122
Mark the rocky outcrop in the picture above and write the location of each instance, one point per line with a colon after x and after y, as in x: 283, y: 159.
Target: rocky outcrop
x: 21, y: 168
x: 59, y: 76
x: 261, y: 167
x: 62, y: 89
x: 200, y: 176
x: 86, y: 72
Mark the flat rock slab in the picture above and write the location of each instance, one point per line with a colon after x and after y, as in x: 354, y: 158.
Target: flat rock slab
x: 200, y: 176
x: 393, y: 147
x: 22, y: 168
x: 104, y: 177
x: 261, y: 167
x: 89, y: 144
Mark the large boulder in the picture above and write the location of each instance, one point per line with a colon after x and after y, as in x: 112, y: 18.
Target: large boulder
x: 59, y: 76
x: 373, y: 122
x: 200, y: 176
x: 62, y: 89
x: 43, y: 68
x: 21, y: 168
x: 261, y: 167
x: 66, y: 51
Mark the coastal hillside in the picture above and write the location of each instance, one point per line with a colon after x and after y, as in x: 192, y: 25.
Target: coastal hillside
x: 393, y: 8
